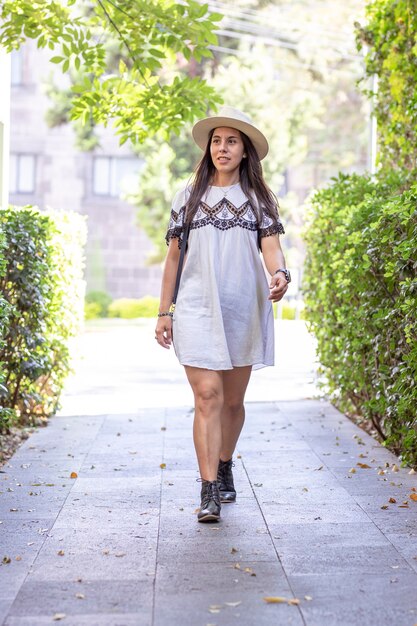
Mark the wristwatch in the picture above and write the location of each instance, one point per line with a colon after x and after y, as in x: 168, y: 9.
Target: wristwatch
x: 285, y: 272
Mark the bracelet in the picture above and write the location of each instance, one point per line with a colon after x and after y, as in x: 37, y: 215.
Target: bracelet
x: 285, y: 272
x: 167, y: 314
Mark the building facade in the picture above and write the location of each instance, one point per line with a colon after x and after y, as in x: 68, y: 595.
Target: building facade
x: 47, y: 170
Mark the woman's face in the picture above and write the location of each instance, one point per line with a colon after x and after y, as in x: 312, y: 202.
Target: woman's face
x: 226, y: 149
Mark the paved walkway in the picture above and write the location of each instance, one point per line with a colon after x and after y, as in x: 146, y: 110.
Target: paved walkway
x: 118, y: 542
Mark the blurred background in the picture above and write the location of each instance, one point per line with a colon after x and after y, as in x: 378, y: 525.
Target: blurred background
x: 292, y: 65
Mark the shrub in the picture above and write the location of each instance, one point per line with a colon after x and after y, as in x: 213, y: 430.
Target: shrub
x: 130, y: 308
x: 361, y: 301
x: 92, y: 310
x: 97, y: 304
x: 41, y: 282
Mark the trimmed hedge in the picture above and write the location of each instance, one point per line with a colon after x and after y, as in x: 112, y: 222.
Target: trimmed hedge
x: 360, y: 287
x: 96, y: 304
x: 41, y: 308
x: 130, y: 308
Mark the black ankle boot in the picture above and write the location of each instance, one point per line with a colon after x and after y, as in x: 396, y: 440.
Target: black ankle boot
x: 225, y: 481
x: 210, y: 502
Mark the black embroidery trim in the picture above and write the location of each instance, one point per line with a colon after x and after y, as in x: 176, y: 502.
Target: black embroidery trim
x: 272, y: 230
x: 213, y: 216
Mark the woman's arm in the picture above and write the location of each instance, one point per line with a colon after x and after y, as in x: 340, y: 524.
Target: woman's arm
x: 274, y: 259
x: 163, y: 330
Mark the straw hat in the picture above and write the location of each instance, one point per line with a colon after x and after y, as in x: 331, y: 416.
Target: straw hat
x: 232, y: 118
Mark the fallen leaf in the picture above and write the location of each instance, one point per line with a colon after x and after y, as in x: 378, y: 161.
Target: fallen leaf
x: 6, y: 559
x: 61, y: 552
x: 363, y: 456
x: 233, y: 604
x: 413, y: 496
x: 412, y: 471
x: 317, y: 469
x: 393, y: 500
x: 281, y: 600
x: 72, y: 475
x: 395, y: 468
x: 381, y: 472
x: 304, y: 489
x: 239, y: 456
x: 237, y: 566
x: 80, y: 596
x: 363, y: 465
x: 215, y: 608
x: 18, y: 558
x: 352, y: 470
x: 59, y: 616
x: 234, y: 550
x: 384, y: 506
x: 163, y: 465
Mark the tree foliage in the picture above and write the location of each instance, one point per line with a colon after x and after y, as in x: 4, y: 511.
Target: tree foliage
x: 138, y: 96
x: 389, y: 36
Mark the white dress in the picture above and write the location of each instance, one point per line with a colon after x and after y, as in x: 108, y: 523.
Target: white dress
x: 223, y: 318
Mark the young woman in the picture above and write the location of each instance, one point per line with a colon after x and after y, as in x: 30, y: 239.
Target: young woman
x: 223, y: 325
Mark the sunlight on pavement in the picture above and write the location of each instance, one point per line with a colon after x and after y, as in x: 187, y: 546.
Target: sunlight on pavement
x: 119, y: 368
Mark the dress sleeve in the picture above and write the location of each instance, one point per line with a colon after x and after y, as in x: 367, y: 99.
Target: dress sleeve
x: 176, y: 220
x: 268, y: 227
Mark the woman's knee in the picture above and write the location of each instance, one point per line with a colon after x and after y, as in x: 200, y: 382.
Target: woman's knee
x: 208, y: 397
x: 234, y: 407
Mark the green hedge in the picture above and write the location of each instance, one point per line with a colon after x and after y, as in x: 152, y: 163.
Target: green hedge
x: 130, y: 308
x: 41, y: 308
x: 360, y: 287
x: 96, y: 304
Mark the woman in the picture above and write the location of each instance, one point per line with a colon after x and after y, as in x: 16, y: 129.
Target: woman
x: 223, y: 324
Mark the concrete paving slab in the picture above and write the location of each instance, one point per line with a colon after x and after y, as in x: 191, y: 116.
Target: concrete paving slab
x: 219, y: 608
x: 302, y: 523
x: 237, y: 577
x: 92, y: 619
x: 94, y: 554
x: 368, y: 599
x: 116, y: 596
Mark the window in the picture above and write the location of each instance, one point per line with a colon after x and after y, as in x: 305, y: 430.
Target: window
x: 17, y: 67
x: 113, y: 176
x: 22, y: 173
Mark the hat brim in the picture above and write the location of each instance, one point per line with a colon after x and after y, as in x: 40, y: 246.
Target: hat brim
x: 202, y: 129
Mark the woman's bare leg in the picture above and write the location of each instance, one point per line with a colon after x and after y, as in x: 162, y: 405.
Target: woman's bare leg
x: 207, y: 386
x: 235, y: 383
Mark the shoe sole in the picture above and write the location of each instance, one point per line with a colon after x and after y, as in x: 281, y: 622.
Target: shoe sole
x: 223, y: 500
x: 209, y: 518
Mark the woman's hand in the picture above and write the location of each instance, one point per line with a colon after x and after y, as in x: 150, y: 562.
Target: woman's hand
x: 163, y: 331
x: 278, y: 286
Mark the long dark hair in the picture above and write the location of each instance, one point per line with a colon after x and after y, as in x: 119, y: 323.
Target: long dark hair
x: 254, y: 187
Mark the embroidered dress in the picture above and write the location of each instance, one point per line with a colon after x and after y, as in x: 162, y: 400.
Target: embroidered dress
x: 223, y: 318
